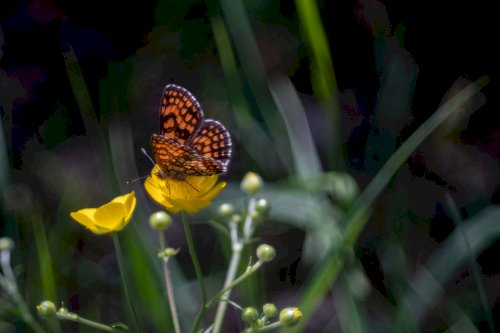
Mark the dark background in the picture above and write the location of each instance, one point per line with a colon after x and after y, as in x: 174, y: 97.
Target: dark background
x: 131, y: 50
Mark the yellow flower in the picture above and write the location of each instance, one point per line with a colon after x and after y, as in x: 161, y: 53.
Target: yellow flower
x: 110, y: 217
x: 190, y: 195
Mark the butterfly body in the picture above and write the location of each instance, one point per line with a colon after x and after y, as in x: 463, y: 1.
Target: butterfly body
x: 188, y: 144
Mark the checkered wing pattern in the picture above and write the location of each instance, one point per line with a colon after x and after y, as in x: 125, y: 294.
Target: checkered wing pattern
x: 180, y: 114
x: 188, y: 145
x: 213, y: 141
x: 177, y: 160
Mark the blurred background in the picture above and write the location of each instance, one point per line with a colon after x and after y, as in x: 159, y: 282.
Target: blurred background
x: 317, y: 95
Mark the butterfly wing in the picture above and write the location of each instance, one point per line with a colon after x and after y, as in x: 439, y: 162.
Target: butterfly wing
x: 178, y: 161
x: 214, y: 142
x: 180, y: 114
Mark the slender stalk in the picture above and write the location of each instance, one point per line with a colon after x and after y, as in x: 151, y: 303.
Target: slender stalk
x: 62, y: 315
x: 270, y: 327
x: 8, y: 282
x: 237, y: 248
x: 121, y: 266
x: 231, y: 273
x: 199, y: 275
x: 240, y: 279
x: 170, y: 289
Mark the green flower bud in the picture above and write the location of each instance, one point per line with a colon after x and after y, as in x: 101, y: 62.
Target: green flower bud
x: 266, y: 252
x: 235, y: 218
x: 160, y: 221
x: 255, y: 215
x: 226, y: 210
x: 290, y: 317
x: 46, y: 309
x: 262, y: 207
x: 270, y: 310
x: 6, y: 244
x: 251, y: 183
x: 250, y: 314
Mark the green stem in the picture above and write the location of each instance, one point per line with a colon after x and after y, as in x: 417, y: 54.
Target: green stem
x: 62, y: 315
x: 9, y: 284
x: 237, y: 248
x: 270, y: 327
x: 170, y: 289
x: 242, y: 277
x: 231, y: 273
x: 121, y: 266
x: 199, y: 275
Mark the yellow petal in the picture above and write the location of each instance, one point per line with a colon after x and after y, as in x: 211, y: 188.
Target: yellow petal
x: 111, y: 216
x: 191, y: 206
x: 85, y: 217
x: 190, y: 194
x: 214, y: 191
x: 155, y: 192
x: 130, y: 203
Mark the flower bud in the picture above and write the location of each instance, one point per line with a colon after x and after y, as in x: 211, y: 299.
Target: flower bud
x: 6, y: 244
x: 160, y: 221
x: 46, y: 309
x: 266, y: 252
x: 290, y: 317
x: 262, y: 207
x: 251, y: 183
x: 226, y: 210
x: 269, y: 310
x: 235, y: 218
x: 250, y: 314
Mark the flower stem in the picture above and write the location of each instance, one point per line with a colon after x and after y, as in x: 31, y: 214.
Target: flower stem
x: 269, y: 327
x: 242, y: 277
x: 170, y: 289
x: 8, y: 282
x: 199, y: 276
x: 121, y: 266
x: 63, y: 315
x: 231, y: 273
x: 237, y: 248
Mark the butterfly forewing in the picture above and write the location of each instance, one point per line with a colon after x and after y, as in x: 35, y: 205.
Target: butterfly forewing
x: 213, y: 141
x: 180, y: 114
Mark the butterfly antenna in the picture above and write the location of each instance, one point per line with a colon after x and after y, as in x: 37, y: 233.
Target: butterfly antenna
x: 147, y: 155
x: 134, y: 180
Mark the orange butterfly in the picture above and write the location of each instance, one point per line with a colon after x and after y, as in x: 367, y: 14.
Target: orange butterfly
x: 188, y: 144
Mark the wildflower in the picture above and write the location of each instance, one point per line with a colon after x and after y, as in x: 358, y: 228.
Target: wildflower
x: 111, y: 217
x: 190, y: 194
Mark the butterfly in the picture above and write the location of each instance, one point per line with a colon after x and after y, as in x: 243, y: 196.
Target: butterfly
x: 188, y: 144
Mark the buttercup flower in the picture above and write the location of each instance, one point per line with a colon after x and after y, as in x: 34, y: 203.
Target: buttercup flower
x: 190, y: 195
x: 111, y: 217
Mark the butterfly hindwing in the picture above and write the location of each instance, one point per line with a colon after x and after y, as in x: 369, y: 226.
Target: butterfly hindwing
x: 213, y: 141
x: 177, y: 160
x: 180, y: 114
